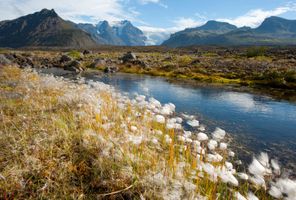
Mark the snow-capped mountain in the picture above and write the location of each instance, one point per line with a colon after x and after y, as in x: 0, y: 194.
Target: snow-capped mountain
x: 121, y: 33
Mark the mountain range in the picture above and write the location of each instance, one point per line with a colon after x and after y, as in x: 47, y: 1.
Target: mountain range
x: 122, y: 33
x: 47, y: 28
x: 273, y: 31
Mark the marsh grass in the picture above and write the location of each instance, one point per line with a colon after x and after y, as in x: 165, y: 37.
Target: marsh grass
x: 66, y: 140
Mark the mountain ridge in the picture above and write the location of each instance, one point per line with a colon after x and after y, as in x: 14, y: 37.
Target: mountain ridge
x: 272, y: 31
x: 44, y: 28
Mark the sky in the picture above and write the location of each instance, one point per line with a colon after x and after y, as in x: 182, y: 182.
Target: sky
x: 157, y: 18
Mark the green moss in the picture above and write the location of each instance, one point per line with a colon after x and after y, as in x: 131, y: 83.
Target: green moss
x: 75, y: 54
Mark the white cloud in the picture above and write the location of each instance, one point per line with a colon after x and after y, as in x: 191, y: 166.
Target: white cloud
x: 255, y: 17
x: 153, y: 1
x: 75, y: 10
x: 157, y: 35
x: 182, y: 23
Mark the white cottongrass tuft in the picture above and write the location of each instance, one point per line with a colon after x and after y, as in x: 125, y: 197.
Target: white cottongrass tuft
x: 193, y: 123
x: 251, y: 196
x: 231, y: 154
x: 219, y: 134
x: 212, y: 144
x: 275, y: 192
x: 243, y: 176
x: 168, y: 109
x: 135, y: 139
x: 227, y: 177
x: 201, y: 128
x: 154, y: 102
x: 211, y: 171
x: 214, y: 158
x: 168, y: 139
x: 264, y: 159
x: 287, y: 187
x: 258, y: 181
x: 187, y: 134
x: 223, y: 146
x: 239, y: 196
x: 160, y: 119
x: 202, y: 136
x: 275, y: 166
x: 179, y: 120
x: 256, y: 168
x: 181, y: 138
x: 134, y: 128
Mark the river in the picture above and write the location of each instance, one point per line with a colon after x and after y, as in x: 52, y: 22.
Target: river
x: 255, y: 122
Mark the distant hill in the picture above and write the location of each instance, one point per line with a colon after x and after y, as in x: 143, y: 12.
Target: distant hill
x: 273, y: 31
x: 122, y: 33
x: 44, y: 28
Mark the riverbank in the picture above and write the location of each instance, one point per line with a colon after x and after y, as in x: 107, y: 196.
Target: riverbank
x: 78, y: 139
x: 271, y: 70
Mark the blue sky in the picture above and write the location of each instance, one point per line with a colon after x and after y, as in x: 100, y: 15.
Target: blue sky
x: 157, y: 17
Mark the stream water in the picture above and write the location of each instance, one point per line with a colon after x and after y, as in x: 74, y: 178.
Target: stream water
x: 256, y: 122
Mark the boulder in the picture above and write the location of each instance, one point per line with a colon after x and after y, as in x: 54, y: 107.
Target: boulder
x: 65, y: 58
x: 87, y: 52
x: 98, y: 63
x: 111, y: 69
x: 4, y: 60
x: 74, y: 66
x: 129, y: 56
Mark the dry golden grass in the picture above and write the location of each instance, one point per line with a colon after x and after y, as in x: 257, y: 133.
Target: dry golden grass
x: 65, y: 140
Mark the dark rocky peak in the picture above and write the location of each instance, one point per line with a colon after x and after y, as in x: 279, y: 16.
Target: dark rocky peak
x: 50, y: 13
